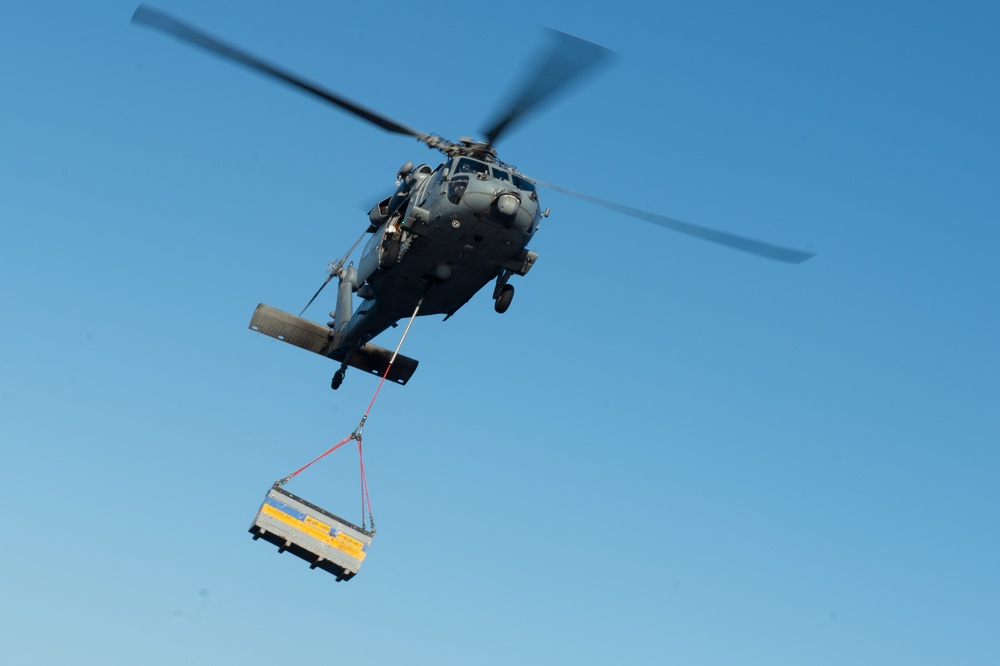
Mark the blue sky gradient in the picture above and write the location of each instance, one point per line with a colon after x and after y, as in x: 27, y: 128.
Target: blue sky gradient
x: 665, y: 452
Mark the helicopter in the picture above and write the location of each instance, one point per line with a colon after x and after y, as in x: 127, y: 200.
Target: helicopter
x: 445, y: 233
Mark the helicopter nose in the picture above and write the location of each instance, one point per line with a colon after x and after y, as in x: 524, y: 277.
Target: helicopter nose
x: 507, y: 204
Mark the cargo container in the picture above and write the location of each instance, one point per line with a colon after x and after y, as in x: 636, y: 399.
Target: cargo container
x: 317, y: 536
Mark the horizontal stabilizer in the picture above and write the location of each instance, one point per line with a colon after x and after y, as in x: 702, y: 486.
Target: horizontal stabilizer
x: 291, y: 329
x: 320, y: 340
x: 375, y: 360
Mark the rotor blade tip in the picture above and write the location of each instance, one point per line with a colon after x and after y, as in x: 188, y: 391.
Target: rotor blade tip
x: 804, y: 257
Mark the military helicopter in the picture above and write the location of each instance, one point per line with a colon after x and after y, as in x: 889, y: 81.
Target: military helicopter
x: 446, y: 232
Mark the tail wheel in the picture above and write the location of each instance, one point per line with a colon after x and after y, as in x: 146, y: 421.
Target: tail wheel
x: 504, y: 299
x: 338, y: 379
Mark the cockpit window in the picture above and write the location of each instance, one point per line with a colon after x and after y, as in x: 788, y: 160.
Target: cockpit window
x: 522, y: 184
x: 456, y: 188
x: 433, y: 187
x: 466, y: 165
x: 500, y: 174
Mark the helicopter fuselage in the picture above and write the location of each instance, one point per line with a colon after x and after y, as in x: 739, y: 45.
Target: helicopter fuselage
x: 439, y: 239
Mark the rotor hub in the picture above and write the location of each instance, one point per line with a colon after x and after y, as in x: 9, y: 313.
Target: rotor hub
x: 471, y: 148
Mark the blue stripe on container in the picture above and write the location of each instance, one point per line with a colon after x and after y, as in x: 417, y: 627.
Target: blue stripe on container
x: 284, y: 508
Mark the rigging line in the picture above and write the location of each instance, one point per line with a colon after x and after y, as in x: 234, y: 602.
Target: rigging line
x: 362, y: 463
x: 366, y: 497
x: 316, y: 459
x: 364, y: 479
x: 357, y: 432
x: 393, y: 359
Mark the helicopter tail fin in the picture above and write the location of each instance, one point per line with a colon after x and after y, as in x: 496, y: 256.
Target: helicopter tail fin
x: 319, y: 339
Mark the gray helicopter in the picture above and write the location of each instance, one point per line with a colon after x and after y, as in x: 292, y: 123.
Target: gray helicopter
x: 446, y: 232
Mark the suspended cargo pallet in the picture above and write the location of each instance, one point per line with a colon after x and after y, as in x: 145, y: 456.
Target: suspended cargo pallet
x: 307, y: 531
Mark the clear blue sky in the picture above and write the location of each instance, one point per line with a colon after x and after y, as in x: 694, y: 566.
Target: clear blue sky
x: 665, y: 452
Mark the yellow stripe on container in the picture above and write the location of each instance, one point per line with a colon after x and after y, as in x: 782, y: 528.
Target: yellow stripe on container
x: 343, y: 542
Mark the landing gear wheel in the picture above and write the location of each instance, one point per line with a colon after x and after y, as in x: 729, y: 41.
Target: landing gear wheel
x: 338, y: 379
x: 504, y: 299
x: 390, y: 254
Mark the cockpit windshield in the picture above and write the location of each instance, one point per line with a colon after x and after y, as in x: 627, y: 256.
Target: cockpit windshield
x: 523, y: 183
x: 468, y: 165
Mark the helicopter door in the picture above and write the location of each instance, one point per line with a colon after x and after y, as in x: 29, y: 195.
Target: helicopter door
x: 371, y: 255
x: 432, y: 189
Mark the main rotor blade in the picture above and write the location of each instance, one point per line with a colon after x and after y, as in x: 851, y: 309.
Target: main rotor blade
x: 567, y: 59
x: 156, y: 19
x: 750, y: 245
